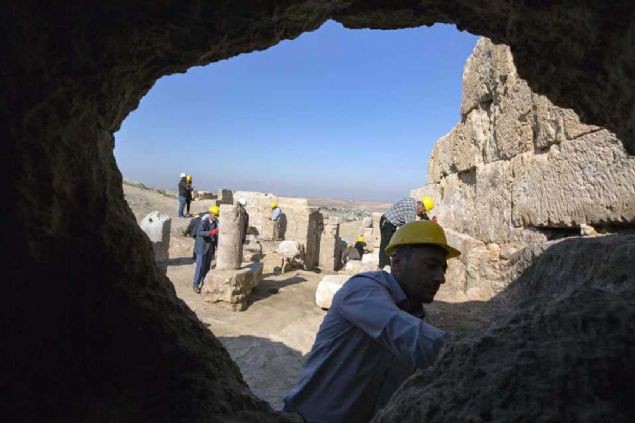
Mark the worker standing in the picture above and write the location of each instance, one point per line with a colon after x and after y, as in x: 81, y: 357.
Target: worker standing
x: 374, y: 336
x: 276, y: 215
x: 182, y: 194
x: 188, y: 194
x: 402, y: 212
x: 205, y: 246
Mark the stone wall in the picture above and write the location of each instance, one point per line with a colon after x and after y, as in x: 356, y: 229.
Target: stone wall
x: 516, y: 161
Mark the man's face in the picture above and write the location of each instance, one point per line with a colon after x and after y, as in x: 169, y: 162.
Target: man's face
x: 421, y: 211
x: 213, y: 217
x: 420, y: 272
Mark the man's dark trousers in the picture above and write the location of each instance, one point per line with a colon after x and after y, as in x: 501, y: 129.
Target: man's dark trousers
x: 203, y: 262
x: 387, y: 229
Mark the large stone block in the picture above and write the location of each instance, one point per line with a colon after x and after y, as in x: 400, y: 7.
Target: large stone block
x: 467, y: 141
x: 231, y: 288
x: 440, y: 161
x: 229, y: 254
x: 553, y: 124
x: 157, y: 226
x: 587, y: 180
x: 327, y: 288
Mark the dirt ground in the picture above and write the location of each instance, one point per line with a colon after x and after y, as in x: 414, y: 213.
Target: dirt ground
x: 269, y: 340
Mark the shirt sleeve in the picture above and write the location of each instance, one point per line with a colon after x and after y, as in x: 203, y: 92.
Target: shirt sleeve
x: 372, y: 310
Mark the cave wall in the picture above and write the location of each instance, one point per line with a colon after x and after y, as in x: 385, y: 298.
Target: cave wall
x: 94, y: 331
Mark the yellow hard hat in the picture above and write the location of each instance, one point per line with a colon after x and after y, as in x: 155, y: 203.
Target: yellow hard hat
x: 274, y: 204
x: 428, y: 203
x: 188, y: 177
x: 214, y: 210
x: 361, y: 239
x: 421, y: 232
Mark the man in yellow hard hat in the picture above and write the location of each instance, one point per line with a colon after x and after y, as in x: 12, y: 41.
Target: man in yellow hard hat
x: 402, y: 212
x: 360, y: 246
x: 374, y: 336
x: 276, y: 217
x: 188, y: 194
x: 205, y: 246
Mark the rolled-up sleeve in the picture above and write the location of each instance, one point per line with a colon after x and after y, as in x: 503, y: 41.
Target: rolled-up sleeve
x: 372, y: 310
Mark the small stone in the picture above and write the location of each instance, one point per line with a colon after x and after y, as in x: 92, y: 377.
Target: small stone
x: 327, y: 288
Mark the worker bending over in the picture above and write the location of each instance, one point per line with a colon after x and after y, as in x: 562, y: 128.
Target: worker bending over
x: 374, y: 336
x: 205, y: 246
x: 402, y: 212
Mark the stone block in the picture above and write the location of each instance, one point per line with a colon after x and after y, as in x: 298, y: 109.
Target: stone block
x: 353, y: 267
x: 327, y: 288
x: 225, y: 196
x: 231, y: 288
x: 157, y: 227
x: 589, y: 180
x: 367, y: 222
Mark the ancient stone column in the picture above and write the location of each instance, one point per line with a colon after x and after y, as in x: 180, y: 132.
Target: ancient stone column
x: 229, y: 254
x: 157, y: 227
x: 330, y: 253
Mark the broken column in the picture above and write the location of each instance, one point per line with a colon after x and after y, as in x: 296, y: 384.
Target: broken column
x: 157, y: 227
x: 330, y: 253
x: 229, y: 253
x: 228, y: 284
x: 376, y: 230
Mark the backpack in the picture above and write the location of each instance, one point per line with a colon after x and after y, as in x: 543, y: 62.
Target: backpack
x: 192, y: 227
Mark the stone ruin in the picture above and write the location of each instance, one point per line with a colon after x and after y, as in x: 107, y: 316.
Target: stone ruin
x: 518, y: 171
x: 123, y: 328
x: 157, y: 227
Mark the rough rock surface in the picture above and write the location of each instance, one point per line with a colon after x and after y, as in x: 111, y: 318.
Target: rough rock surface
x: 565, y: 351
x: 67, y: 92
x: 157, y: 227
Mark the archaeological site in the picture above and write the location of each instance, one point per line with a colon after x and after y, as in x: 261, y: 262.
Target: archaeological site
x: 534, y: 185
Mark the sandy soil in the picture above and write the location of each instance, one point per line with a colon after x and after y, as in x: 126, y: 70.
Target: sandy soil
x: 269, y: 340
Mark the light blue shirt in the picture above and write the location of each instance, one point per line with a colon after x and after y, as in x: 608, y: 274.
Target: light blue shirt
x: 365, y: 348
x: 276, y: 213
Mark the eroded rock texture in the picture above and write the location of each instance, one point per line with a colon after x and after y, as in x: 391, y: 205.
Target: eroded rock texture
x: 564, y: 352
x: 92, y: 330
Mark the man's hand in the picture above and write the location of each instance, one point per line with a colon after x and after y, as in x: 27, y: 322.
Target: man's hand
x: 213, y: 232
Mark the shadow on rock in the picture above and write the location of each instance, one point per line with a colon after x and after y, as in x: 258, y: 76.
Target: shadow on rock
x: 270, y: 368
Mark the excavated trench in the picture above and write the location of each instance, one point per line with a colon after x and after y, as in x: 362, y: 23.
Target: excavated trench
x: 94, y: 332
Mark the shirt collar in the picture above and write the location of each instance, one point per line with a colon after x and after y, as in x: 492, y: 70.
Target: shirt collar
x: 396, y: 292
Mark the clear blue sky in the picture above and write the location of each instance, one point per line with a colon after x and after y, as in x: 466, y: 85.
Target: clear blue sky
x: 335, y: 113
